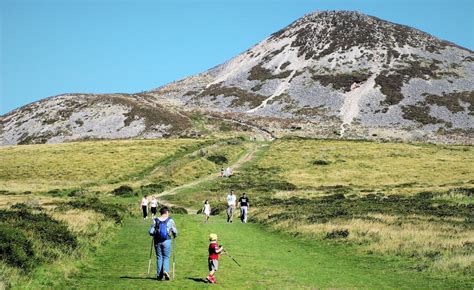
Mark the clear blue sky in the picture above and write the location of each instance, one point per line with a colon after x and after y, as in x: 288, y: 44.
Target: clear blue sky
x: 50, y: 47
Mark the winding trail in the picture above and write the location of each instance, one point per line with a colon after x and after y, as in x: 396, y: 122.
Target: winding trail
x: 235, y: 166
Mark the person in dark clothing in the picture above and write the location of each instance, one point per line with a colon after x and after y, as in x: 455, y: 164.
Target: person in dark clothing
x: 144, y: 205
x: 244, y: 205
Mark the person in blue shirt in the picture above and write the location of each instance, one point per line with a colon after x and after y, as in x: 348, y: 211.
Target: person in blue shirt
x: 162, y: 229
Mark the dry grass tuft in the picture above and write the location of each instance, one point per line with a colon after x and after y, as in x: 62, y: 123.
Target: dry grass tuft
x: 80, y: 221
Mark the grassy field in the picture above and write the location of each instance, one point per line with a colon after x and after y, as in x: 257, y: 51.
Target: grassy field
x: 394, y: 168
x: 372, y: 214
x: 37, y: 168
x: 268, y: 260
x: 410, y: 200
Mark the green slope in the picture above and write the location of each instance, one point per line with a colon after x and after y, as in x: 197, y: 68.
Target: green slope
x: 268, y: 259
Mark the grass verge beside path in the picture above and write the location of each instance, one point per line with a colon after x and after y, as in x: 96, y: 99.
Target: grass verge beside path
x: 268, y: 259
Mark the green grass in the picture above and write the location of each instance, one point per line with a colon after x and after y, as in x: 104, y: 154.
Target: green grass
x: 192, y: 167
x: 216, y: 189
x: 46, y: 167
x: 268, y: 259
x: 359, y: 201
x: 415, y: 205
x: 392, y: 167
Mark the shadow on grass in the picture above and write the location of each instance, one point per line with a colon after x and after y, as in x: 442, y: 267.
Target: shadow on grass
x: 199, y: 280
x: 137, y: 278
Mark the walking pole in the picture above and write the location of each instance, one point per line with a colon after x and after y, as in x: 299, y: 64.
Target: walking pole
x: 149, y: 260
x: 227, y: 253
x: 174, y: 256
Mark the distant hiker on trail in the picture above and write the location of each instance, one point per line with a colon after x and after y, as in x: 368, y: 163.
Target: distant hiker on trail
x: 162, y: 229
x: 144, y: 204
x: 206, y: 210
x: 228, y: 172
x: 213, y: 259
x: 244, y: 204
x: 222, y: 171
x: 231, y: 199
x: 153, y: 205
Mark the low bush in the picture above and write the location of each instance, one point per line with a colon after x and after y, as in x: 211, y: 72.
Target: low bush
x: 71, y: 192
x: 41, y: 226
x: 15, y: 248
x: 333, y: 197
x: 27, y: 205
x: 154, y: 188
x: 178, y: 210
x: 462, y: 190
x: 337, y: 234
x: 124, y: 190
x: 218, y: 159
x: 220, y: 208
x: 323, y: 209
x: 425, y: 195
x: 321, y: 162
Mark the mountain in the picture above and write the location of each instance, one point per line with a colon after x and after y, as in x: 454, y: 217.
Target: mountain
x: 328, y: 74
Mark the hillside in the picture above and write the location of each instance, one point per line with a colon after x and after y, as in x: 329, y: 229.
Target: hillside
x: 328, y: 74
x: 360, y: 209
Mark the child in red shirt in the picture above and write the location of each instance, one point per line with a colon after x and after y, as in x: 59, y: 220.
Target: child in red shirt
x: 213, y: 260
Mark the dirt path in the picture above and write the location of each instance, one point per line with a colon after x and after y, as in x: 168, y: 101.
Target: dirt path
x: 235, y: 166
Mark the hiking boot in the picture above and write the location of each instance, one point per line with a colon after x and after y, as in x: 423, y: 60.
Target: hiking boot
x: 210, y: 279
x: 167, y: 276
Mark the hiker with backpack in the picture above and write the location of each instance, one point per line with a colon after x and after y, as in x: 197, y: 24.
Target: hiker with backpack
x: 162, y: 229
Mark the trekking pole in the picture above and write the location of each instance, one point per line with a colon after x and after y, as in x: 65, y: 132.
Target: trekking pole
x: 227, y: 253
x: 149, y: 260
x: 174, y: 256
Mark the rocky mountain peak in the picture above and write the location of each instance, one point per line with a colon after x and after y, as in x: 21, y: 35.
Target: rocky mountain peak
x: 333, y: 73
x: 322, y: 33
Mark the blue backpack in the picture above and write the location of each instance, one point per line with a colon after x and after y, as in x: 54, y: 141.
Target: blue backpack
x: 161, y: 230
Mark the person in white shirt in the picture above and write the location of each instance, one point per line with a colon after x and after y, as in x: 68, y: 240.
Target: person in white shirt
x: 231, y: 199
x: 144, y: 204
x: 206, y: 210
x: 153, y: 205
x: 228, y: 172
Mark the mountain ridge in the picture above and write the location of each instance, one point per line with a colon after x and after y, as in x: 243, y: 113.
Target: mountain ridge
x: 333, y: 73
